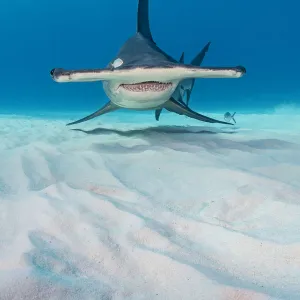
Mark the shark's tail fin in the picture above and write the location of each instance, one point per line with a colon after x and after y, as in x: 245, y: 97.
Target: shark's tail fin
x: 143, y: 26
x: 197, y: 61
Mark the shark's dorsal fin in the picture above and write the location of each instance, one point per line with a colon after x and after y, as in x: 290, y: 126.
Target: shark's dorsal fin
x: 143, y: 26
x: 200, y: 56
x: 181, y: 60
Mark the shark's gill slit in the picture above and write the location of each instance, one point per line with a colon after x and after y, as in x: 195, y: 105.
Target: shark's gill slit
x: 147, y: 86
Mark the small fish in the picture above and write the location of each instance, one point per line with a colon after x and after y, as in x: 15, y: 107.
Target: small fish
x: 228, y: 117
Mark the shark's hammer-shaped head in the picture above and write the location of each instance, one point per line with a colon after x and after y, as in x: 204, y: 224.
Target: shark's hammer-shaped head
x: 143, y: 86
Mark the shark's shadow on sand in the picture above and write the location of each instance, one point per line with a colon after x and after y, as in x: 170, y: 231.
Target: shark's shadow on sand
x: 180, y: 138
x: 157, y: 129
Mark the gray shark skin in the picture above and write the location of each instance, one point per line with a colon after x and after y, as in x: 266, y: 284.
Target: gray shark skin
x: 142, y: 76
x: 176, y: 95
x: 186, y: 86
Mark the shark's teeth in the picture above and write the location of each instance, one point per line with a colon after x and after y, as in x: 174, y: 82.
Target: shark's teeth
x: 148, y: 86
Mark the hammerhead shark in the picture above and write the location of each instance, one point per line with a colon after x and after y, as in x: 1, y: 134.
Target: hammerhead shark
x: 186, y: 86
x: 144, y: 77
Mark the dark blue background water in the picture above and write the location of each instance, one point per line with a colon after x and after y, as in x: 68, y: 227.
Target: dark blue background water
x: 37, y: 36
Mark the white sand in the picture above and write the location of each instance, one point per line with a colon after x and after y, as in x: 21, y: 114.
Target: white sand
x: 198, y: 212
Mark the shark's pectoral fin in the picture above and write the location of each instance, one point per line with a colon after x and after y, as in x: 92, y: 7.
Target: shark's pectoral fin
x: 158, y: 111
x: 178, y: 108
x: 108, y: 107
x: 181, y: 101
x: 157, y: 114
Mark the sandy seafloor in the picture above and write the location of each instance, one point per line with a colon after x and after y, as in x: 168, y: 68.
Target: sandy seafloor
x: 139, y: 209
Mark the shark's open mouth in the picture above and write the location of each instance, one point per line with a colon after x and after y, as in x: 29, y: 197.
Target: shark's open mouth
x: 147, y: 86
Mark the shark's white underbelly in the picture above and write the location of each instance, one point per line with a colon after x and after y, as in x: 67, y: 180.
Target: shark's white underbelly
x: 142, y: 104
x: 137, y: 100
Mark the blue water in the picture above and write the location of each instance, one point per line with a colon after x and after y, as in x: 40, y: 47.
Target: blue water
x: 38, y: 36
